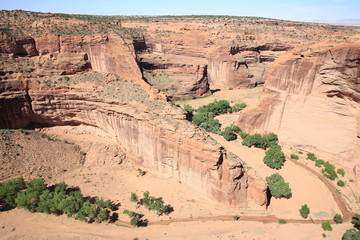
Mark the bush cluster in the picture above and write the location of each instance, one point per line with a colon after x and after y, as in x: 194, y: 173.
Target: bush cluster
x: 135, y: 218
x: 294, y: 156
x: 329, y: 171
x: 36, y: 196
x: 204, y: 116
x: 259, y: 141
x: 277, y: 186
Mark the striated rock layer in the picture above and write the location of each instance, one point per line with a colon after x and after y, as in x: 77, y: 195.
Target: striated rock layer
x: 186, y: 154
x: 312, y: 102
x: 60, y: 87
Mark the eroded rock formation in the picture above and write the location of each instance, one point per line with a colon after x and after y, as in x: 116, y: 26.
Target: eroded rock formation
x: 60, y: 87
x: 311, y: 101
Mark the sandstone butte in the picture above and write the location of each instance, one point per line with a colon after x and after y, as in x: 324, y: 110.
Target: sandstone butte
x: 57, y: 70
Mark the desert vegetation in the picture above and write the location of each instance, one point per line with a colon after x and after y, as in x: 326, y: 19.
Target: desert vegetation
x: 278, y: 187
x: 36, y: 196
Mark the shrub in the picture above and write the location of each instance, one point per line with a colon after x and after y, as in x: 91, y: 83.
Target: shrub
x: 294, y: 156
x: 134, y: 198
x: 304, y: 211
x: 356, y: 221
x: 326, y: 226
x: 238, y: 107
x: 311, y: 156
x: 341, y: 183
x: 236, y: 218
x: 228, y: 134
x: 277, y: 186
x: 282, y: 221
x: 274, y: 157
x: 323, y: 235
x: 341, y: 172
x: 8, y: 191
x: 338, y: 218
x: 351, y: 234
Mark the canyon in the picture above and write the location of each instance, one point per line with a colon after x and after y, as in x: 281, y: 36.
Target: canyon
x: 123, y: 77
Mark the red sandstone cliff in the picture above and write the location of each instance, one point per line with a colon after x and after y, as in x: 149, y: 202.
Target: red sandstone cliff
x: 311, y: 101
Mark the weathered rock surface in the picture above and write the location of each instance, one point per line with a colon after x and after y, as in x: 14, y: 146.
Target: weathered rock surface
x: 311, y: 101
x: 59, y: 87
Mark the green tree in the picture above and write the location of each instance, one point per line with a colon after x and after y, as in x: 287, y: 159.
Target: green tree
x: 228, y: 134
x: 326, y: 226
x: 304, y: 211
x: 338, y: 218
x: 341, y: 183
x: 351, y: 234
x: 274, y: 157
x: 277, y: 186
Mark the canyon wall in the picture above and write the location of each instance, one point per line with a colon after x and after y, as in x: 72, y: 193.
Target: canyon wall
x: 59, y: 87
x: 187, y: 153
x: 311, y: 101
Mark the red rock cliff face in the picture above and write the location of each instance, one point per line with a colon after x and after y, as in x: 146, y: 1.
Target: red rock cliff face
x: 187, y: 154
x: 312, y: 102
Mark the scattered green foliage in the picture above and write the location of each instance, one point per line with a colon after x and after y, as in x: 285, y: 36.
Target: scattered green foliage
x: 323, y: 235
x: 206, y: 120
x: 294, y: 156
x: 236, y: 218
x: 155, y: 204
x: 304, y: 211
x: 282, y: 221
x: 326, y: 226
x: 36, y: 196
x: 311, y: 156
x: 277, y: 186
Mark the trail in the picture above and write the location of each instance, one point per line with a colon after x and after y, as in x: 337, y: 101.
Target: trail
x: 347, y: 214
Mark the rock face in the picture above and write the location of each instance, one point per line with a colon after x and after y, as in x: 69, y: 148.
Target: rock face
x: 60, y: 87
x: 312, y: 102
x: 183, y: 154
